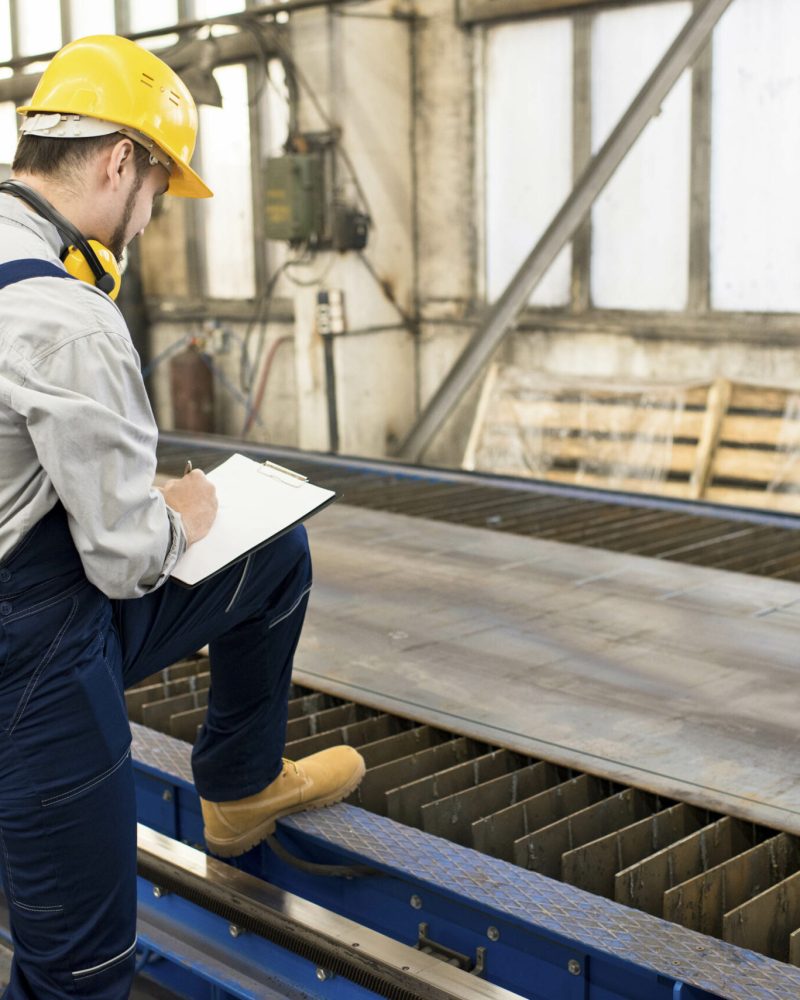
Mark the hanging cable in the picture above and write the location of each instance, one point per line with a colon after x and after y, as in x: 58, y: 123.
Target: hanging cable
x: 292, y: 69
x: 251, y: 416
x: 256, y: 392
x: 219, y: 374
x: 260, y: 318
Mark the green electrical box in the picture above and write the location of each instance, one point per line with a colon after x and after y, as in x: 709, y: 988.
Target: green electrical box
x: 295, y: 198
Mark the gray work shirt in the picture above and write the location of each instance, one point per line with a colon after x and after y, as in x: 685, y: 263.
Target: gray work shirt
x: 75, y: 421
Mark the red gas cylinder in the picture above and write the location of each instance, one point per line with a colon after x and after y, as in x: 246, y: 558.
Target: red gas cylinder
x: 192, y: 386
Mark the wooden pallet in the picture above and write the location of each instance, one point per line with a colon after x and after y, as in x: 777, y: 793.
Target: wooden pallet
x: 756, y: 462
x: 721, y: 441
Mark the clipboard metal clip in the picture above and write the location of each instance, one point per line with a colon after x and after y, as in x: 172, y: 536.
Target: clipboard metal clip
x: 286, y: 476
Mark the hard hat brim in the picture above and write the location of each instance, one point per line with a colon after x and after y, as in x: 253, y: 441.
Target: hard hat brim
x: 183, y: 181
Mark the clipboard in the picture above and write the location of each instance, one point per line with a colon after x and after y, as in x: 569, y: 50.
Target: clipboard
x: 257, y: 504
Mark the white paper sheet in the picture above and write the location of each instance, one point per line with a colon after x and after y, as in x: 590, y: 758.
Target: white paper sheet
x: 256, y: 503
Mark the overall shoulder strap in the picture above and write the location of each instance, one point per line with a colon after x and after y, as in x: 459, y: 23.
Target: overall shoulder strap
x: 29, y: 267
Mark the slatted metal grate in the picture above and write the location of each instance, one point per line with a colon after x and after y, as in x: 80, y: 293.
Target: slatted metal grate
x: 715, y: 874
x: 753, y: 542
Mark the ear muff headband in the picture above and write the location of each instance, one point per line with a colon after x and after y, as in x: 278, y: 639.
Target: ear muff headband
x: 79, y: 255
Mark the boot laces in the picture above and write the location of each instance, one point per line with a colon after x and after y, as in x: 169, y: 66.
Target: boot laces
x: 287, y: 763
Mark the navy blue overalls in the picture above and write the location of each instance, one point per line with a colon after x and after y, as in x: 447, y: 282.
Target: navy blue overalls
x: 67, y: 805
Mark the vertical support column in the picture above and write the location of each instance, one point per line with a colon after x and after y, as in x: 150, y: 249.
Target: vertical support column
x: 310, y: 41
x: 700, y: 199
x: 13, y: 14
x: 581, y: 154
x: 121, y: 20
x: 256, y: 85
x: 66, y: 21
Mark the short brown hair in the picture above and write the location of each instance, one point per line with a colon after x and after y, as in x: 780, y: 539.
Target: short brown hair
x: 49, y: 157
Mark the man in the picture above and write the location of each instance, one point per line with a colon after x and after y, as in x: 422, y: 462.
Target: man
x: 87, y: 546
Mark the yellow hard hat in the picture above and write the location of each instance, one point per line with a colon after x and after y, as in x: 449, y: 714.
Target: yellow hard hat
x: 114, y: 79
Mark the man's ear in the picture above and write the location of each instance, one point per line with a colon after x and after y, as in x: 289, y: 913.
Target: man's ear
x: 120, y: 162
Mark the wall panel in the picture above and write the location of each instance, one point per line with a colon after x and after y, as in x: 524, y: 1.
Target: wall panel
x: 640, y: 222
x: 755, y: 151
x: 528, y: 88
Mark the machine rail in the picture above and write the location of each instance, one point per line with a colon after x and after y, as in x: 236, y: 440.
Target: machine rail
x: 742, y: 540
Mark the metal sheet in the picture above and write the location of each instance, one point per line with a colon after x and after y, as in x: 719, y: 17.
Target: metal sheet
x: 405, y: 802
x: 669, y: 677
x: 371, y: 793
x: 702, y: 902
x: 544, y: 848
x: 453, y: 817
x: 767, y: 921
x: 594, y: 866
x: 643, y: 885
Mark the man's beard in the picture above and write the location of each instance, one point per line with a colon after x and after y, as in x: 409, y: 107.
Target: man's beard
x: 117, y: 242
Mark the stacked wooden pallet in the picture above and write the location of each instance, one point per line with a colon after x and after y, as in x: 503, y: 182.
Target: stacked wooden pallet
x: 721, y: 441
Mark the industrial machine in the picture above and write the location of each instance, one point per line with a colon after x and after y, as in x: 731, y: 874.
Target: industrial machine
x: 465, y: 866
x: 304, y: 201
x: 472, y: 863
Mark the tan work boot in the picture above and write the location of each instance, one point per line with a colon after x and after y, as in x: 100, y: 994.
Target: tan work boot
x: 326, y: 777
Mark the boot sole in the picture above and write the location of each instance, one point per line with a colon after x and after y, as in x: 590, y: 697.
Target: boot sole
x: 233, y: 847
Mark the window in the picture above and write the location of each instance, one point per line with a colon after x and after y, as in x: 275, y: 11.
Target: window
x: 5, y: 30
x: 147, y: 15
x: 216, y: 8
x: 640, y: 223
x: 225, y: 166
x: 755, y: 145
x: 528, y: 148
x: 39, y: 26
x: 95, y: 18
x: 9, y: 120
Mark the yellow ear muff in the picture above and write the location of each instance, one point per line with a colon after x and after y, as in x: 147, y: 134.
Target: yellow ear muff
x: 77, y: 265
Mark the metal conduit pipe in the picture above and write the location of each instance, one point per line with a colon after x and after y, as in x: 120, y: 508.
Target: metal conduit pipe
x: 647, y: 103
x: 227, y: 48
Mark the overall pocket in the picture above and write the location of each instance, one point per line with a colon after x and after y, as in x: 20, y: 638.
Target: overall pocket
x: 61, y: 704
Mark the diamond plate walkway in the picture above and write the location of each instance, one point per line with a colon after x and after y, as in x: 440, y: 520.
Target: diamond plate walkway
x: 574, y: 918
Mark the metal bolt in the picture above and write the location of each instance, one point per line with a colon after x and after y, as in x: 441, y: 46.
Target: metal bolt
x: 234, y: 930
x: 574, y: 967
x: 416, y: 902
x: 166, y: 795
x: 158, y: 892
x: 323, y: 974
x: 493, y: 933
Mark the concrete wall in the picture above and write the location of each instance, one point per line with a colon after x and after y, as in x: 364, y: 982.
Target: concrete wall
x: 630, y: 358
x: 360, y: 69
x: 410, y: 99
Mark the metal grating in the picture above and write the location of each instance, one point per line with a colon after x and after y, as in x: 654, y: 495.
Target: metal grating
x: 746, y: 541
x: 698, y: 869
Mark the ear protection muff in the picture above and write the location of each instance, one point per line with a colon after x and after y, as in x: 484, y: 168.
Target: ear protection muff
x: 84, y: 259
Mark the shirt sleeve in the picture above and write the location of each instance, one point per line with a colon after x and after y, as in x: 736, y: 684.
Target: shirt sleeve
x: 90, y: 421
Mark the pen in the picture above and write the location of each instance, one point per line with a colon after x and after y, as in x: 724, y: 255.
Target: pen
x: 188, y: 468
x: 287, y: 472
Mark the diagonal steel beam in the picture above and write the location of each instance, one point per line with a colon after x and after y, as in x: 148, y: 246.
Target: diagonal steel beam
x: 647, y: 103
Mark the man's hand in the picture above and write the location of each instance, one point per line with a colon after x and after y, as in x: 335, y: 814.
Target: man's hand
x: 195, y: 499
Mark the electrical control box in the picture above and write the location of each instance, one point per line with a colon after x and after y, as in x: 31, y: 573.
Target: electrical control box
x: 350, y: 228
x: 304, y: 197
x: 295, y: 198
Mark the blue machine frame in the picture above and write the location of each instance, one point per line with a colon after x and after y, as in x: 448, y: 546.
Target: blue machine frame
x: 543, y: 939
